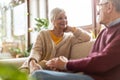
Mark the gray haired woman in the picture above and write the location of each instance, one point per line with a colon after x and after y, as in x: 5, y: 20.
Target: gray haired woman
x: 54, y: 42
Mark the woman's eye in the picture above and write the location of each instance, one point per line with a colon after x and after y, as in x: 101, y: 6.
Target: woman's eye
x: 62, y: 18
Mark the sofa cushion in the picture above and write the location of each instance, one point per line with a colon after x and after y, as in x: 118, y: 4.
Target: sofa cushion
x: 82, y: 49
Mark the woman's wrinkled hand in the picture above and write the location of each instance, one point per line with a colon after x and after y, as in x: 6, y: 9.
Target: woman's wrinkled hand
x: 34, y: 66
x: 69, y: 29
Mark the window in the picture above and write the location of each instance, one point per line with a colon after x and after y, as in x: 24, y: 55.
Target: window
x: 19, y: 19
x: 79, y: 12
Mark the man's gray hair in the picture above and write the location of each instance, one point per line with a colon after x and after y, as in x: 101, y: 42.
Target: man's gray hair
x: 116, y: 3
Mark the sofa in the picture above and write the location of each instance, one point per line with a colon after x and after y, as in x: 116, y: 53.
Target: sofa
x: 78, y: 51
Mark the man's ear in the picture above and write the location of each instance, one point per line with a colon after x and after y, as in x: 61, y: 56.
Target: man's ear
x: 110, y: 7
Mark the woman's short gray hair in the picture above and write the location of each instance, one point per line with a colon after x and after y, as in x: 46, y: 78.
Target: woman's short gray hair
x: 54, y: 13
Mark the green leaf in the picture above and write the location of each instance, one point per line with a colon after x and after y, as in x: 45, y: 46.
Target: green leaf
x: 10, y: 72
x: 41, y: 23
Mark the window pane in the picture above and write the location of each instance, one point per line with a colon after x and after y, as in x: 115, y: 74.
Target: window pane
x: 79, y: 12
x: 20, y: 21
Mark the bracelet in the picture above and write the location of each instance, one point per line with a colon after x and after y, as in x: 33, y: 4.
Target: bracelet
x: 31, y: 59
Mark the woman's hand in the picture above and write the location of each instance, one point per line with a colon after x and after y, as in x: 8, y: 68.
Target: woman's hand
x: 58, y: 63
x: 34, y: 66
x: 69, y: 29
x: 51, y: 64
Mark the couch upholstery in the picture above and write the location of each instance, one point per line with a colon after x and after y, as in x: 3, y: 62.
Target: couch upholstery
x: 78, y: 51
x: 81, y: 50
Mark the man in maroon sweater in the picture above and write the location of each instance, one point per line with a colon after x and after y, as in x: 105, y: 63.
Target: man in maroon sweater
x: 103, y: 63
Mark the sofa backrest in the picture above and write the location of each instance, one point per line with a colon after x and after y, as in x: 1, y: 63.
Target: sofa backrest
x: 82, y: 49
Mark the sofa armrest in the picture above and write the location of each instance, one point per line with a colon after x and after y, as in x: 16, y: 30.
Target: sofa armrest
x: 82, y: 49
x: 14, y: 61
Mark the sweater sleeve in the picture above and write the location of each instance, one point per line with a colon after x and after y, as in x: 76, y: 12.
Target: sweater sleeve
x: 80, y: 35
x: 98, y: 62
x: 36, y: 51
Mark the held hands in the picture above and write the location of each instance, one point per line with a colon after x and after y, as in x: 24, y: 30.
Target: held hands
x: 57, y: 63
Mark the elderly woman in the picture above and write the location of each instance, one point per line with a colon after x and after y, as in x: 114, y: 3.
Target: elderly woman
x: 54, y: 42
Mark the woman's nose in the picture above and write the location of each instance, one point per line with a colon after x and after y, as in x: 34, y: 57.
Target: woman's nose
x: 64, y: 19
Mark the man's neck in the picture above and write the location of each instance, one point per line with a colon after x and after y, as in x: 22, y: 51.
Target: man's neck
x: 114, y: 17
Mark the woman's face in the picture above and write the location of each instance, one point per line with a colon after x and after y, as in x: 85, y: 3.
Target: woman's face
x: 60, y: 21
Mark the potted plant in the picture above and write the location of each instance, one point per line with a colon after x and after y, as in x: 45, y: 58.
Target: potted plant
x: 42, y: 23
x: 17, y: 52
